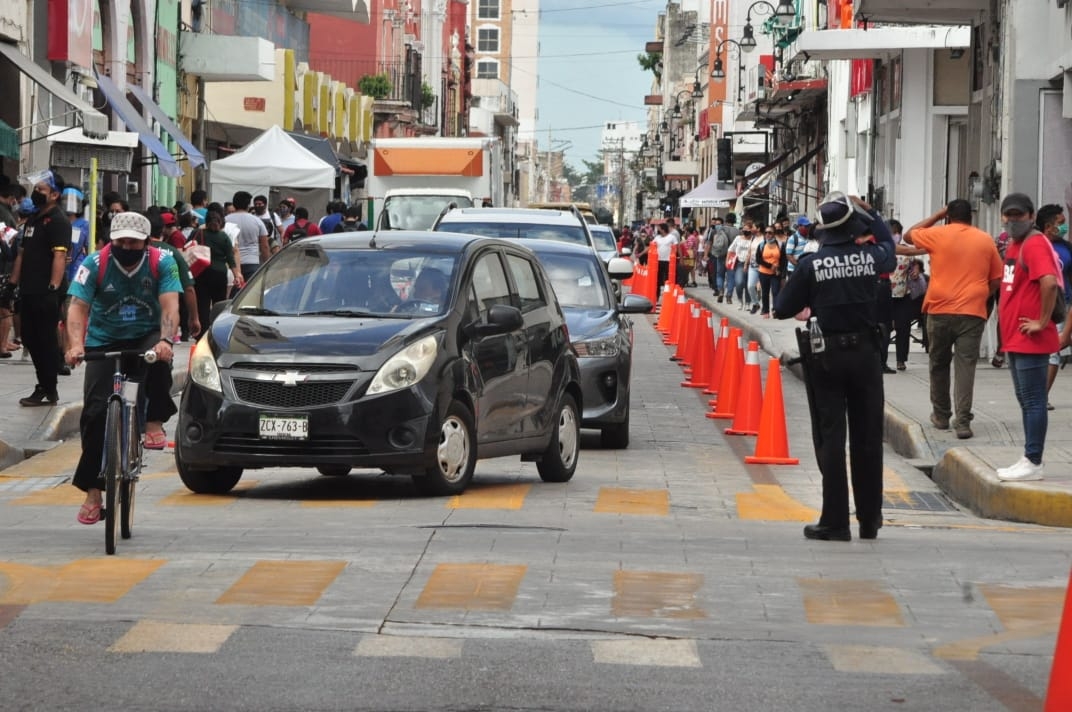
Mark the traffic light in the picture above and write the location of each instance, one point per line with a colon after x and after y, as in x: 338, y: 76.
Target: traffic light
x: 725, y: 159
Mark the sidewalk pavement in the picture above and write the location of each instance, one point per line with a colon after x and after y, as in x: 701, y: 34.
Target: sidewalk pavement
x: 25, y: 432
x: 964, y: 469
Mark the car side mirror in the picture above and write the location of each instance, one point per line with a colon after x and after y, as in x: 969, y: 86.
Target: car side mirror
x: 635, y: 304
x: 502, y: 319
x: 620, y: 268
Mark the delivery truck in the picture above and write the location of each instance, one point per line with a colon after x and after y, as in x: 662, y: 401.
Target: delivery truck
x: 411, y: 180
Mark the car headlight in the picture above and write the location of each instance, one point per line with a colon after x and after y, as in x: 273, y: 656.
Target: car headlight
x: 597, y: 348
x: 203, y: 369
x: 405, y: 368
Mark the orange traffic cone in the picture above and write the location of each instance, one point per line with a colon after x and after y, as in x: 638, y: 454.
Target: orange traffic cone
x: 704, y: 353
x: 749, y: 396
x: 1059, y: 694
x: 772, y: 445
x: 688, y: 334
x: 665, y: 310
x: 739, y: 355
x: 681, y: 311
x: 719, y: 360
x: 726, y: 402
x: 671, y: 277
x: 651, y: 285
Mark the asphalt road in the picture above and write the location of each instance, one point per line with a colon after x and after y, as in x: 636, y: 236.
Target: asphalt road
x: 668, y: 576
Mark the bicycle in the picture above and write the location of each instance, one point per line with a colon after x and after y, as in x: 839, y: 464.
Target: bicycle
x: 122, y: 458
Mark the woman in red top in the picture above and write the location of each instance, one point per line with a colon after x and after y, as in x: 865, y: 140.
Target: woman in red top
x: 1028, y: 293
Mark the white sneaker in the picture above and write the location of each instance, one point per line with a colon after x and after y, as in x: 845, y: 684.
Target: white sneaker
x: 1022, y: 472
x: 1018, y: 463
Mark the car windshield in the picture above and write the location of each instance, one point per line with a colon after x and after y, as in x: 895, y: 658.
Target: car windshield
x: 573, y: 234
x: 417, y: 212
x: 309, y: 279
x: 577, y: 281
x: 604, y: 240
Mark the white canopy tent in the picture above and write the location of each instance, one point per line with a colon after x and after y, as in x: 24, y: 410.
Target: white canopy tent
x: 272, y: 160
x: 709, y: 195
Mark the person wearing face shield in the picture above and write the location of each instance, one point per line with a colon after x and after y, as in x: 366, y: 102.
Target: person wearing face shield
x: 837, y: 285
x: 965, y: 270
x: 40, y: 273
x: 125, y: 296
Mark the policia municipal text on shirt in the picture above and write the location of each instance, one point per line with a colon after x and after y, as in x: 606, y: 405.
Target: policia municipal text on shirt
x: 838, y: 285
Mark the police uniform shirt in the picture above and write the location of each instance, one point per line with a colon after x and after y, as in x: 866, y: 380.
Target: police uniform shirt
x: 839, y: 282
x: 45, y: 234
x: 123, y: 306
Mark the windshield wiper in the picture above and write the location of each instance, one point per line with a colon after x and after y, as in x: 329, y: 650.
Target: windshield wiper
x: 258, y: 311
x: 338, y: 312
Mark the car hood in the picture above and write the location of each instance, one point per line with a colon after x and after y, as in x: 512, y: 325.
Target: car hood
x: 312, y: 335
x: 586, y: 323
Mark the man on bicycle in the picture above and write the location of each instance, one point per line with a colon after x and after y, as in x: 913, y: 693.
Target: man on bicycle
x: 128, y: 295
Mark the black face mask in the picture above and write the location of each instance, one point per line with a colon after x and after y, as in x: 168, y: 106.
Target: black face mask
x: 39, y: 199
x: 127, y: 257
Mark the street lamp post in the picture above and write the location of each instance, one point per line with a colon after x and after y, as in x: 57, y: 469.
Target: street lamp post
x: 784, y: 14
x: 719, y: 73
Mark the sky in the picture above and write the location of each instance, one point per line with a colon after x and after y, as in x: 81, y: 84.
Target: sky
x: 588, y: 70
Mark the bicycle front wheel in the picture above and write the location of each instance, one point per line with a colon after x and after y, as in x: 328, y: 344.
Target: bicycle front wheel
x: 111, y: 468
x: 129, y: 479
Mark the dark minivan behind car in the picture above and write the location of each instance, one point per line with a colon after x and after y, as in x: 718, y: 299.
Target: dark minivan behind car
x: 384, y: 351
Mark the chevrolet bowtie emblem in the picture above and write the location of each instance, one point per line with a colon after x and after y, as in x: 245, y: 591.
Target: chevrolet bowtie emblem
x: 289, y: 378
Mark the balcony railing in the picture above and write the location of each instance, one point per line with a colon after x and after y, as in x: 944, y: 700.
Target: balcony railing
x: 403, y: 78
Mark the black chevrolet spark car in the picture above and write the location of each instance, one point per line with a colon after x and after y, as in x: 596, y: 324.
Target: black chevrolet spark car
x: 388, y: 351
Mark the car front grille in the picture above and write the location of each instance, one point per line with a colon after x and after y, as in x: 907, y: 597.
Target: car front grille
x: 272, y: 394
x: 243, y: 444
x: 303, y: 367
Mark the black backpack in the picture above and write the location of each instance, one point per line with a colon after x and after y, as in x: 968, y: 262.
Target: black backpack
x: 349, y: 227
x: 299, y: 231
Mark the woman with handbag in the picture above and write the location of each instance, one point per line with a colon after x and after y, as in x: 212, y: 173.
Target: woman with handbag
x: 211, y: 281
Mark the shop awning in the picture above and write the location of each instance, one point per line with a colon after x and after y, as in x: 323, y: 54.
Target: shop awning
x: 192, y: 154
x: 9, y: 141
x: 319, y: 147
x: 709, y: 195
x: 135, y: 122
x: 94, y: 123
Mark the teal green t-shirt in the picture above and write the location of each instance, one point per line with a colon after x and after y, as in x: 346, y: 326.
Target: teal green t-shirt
x: 123, y: 306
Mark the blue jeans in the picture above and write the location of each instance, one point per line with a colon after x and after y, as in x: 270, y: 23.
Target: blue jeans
x: 730, y: 281
x: 740, y: 277
x: 1029, y: 382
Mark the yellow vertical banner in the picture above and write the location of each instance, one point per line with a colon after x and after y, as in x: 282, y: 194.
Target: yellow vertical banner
x: 91, y: 204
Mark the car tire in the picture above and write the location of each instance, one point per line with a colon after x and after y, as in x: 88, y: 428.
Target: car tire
x: 615, y: 437
x: 334, y: 470
x: 214, y: 480
x: 455, y: 457
x: 559, y: 460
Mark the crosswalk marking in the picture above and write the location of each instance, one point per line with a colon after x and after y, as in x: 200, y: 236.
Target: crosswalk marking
x: 81, y: 581
x: 617, y: 500
x: 849, y: 602
x: 506, y: 496
x: 657, y: 653
x: 159, y: 637
x: 770, y: 503
x: 881, y: 661
x: 387, y: 646
x: 656, y: 594
x: 283, y: 583
x: 1025, y: 613
x: 472, y: 587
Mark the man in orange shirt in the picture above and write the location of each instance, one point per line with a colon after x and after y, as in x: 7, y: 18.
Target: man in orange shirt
x: 965, y: 270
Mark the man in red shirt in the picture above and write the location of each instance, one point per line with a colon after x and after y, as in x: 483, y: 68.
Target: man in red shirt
x: 302, y: 227
x: 1028, y: 293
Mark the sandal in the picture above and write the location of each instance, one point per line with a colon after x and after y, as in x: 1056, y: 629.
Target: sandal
x: 156, y: 440
x: 89, y: 513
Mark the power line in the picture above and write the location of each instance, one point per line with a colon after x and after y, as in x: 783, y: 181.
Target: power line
x: 591, y: 7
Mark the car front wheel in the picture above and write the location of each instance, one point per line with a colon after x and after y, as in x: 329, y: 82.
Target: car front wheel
x: 215, y: 480
x: 455, y: 455
x: 559, y: 461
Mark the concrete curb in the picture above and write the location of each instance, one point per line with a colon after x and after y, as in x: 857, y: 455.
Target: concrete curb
x: 970, y: 479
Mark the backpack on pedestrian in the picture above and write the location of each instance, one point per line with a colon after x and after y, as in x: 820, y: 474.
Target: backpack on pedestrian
x: 298, y: 231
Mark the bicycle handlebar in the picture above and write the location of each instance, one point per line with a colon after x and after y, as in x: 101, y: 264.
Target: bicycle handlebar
x: 148, y: 356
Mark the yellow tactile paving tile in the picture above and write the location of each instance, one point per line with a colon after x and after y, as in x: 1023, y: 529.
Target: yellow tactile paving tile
x: 617, y: 500
x: 1025, y: 613
x: 82, y: 581
x: 849, y: 602
x: 881, y: 661
x: 655, y: 594
x: 160, y: 637
x: 283, y: 583
x: 656, y: 653
x: 186, y: 498
x: 63, y: 495
x: 770, y: 503
x: 893, y: 482
x: 507, y: 496
x: 49, y: 463
x: 472, y: 587
x: 388, y: 646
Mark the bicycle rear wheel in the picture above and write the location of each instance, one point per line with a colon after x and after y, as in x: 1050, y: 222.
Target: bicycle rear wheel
x: 129, y: 479
x: 112, y: 465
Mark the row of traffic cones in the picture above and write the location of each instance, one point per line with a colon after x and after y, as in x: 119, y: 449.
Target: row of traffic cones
x: 719, y: 362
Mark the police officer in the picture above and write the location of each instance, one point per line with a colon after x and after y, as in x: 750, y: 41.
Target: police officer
x: 838, y: 285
